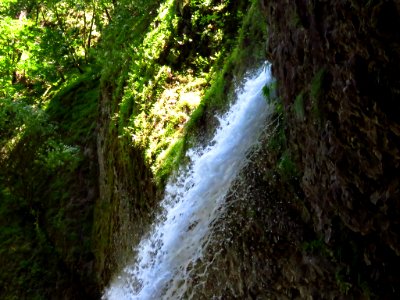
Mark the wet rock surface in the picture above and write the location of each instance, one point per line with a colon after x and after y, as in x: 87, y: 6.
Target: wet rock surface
x: 259, y: 247
x: 337, y: 67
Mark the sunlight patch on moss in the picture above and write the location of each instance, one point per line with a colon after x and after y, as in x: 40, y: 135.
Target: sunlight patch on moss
x: 156, y: 40
x: 156, y: 129
x: 154, y: 101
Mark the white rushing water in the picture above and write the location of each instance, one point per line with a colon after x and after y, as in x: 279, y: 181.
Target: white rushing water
x: 161, y: 269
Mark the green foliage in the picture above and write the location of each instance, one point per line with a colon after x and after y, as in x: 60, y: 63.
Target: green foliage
x: 175, y: 52
x: 254, y: 27
x: 296, y: 21
x: 75, y: 106
x: 27, y: 258
x: 235, y: 64
x: 14, y: 39
x: 173, y: 157
x: 58, y: 155
x: 42, y: 44
x: 48, y: 113
x: 277, y: 144
x: 270, y: 94
x: 225, y: 68
x: 364, y: 286
x: 157, y: 59
x: 17, y: 121
x: 41, y: 154
x: 268, y: 91
x: 122, y: 38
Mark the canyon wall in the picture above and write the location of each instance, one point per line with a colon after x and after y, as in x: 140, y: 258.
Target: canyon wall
x: 336, y: 64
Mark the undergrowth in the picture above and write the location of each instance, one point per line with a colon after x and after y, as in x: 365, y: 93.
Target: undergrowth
x: 221, y: 81
x: 38, y: 178
x: 170, y: 66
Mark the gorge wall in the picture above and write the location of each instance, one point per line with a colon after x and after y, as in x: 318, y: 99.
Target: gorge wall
x: 336, y: 64
x: 315, y: 215
x: 144, y: 105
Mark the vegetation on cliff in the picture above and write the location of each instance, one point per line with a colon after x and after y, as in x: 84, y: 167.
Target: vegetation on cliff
x: 136, y: 71
x: 100, y: 99
x: 144, y: 122
x: 48, y: 112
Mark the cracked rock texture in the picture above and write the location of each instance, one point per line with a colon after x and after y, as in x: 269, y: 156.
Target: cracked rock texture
x: 337, y: 66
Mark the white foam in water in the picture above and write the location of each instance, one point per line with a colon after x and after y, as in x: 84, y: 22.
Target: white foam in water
x: 193, y: 202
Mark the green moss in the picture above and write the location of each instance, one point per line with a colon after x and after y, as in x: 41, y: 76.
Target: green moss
x: 286, y: 166
x: 315, y: 246
x: 173, y: 157
x: 38, y: 180
x: 298, y: 107
x: 269, y: 92
x: 74, y: 108
x: 277, y: 141
x: 243, y: 56
x: 316, y: 84
x: 167, y: 62
x: 342, y: 284
x: 195, y: 119
x: 316, y: 89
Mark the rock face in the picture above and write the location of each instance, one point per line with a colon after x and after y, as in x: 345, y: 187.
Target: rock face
x: 315, y: 215
x: 337, y: 65
x: 127, y: 195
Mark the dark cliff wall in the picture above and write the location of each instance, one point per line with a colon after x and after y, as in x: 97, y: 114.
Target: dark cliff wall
x: 336, y: 63
x: 127, y: 194
x: 48, y: 189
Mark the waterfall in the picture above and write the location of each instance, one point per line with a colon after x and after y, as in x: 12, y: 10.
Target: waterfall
x: 193, y: 202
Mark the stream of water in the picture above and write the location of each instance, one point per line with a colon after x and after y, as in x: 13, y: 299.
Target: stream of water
x: 193, y: 201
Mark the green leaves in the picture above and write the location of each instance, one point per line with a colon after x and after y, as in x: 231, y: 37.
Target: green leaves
x: 57, y: 155
x: 12, y: 45
x: 43, y: 43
